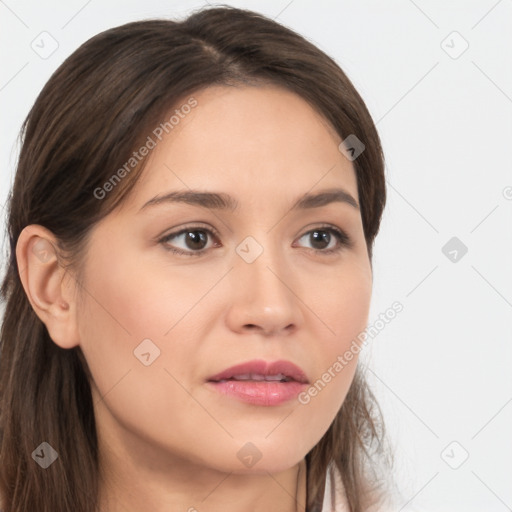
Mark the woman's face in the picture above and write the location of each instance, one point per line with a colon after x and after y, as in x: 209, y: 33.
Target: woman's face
x: 254, y: 283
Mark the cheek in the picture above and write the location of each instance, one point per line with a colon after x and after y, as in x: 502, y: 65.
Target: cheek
x: 129, y: 300
x: 136, y: 312
x: 341, y: 301
x: 343, y: 306
x: 126, y: 315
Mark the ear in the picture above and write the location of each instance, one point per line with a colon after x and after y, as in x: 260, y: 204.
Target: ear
x: 49, y: 287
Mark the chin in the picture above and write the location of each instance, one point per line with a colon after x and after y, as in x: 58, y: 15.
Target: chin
x: 258, y: 459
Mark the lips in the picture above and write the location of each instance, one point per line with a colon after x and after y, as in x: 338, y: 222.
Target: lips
x: 260, y: 383
x: 260, y: 370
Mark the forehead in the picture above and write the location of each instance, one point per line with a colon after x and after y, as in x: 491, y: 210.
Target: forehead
x: 252, y: 142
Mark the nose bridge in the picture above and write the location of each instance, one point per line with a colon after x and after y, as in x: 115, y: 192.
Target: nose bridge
x: 258, y: 264
x: 264, y: 285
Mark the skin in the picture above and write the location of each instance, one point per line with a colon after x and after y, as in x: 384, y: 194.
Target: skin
x: 167, y: 441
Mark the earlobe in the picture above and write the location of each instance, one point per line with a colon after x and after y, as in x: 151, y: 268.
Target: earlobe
x: 44, y: 281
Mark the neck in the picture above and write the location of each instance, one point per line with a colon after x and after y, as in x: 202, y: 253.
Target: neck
x: 135, y: 477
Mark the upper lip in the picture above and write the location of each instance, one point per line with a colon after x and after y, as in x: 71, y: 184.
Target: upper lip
x: 261, y: 367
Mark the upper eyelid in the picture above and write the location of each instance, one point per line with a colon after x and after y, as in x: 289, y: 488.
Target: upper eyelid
x: 194, y: 227
x: 198, y: 227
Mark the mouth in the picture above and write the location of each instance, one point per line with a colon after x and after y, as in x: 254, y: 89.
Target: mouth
x: 260, y: 383
x: 260, y: 370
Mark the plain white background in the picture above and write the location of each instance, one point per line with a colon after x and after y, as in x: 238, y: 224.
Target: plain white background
x: 437, y: 79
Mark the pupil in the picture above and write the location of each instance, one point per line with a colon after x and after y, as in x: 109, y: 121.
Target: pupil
x: 324, y: 237
x: 195, y: 237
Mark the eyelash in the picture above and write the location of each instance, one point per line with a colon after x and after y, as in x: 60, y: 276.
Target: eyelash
x: 344, y: 241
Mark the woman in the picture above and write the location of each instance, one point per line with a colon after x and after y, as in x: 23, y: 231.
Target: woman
x: 191, y: 229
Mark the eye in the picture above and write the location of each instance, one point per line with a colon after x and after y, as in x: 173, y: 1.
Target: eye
x: 194, y: 238
x: 322, y: 237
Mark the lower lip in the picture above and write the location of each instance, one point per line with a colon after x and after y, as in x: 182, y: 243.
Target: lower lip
x: 260, y: 392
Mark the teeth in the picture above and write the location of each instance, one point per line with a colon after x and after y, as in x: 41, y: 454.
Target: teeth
x: 245, y: 376
x: 258, y: 377
x: 279, y: 376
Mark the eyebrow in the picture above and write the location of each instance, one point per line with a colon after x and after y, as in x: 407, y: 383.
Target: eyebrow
x: 223, y: 201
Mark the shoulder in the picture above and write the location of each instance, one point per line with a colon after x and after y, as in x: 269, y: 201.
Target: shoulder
x: 335, y: 498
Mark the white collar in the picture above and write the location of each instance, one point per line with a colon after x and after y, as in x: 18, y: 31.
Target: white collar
x: 334, y: 493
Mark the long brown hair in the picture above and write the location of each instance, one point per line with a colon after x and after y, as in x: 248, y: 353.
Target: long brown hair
x: 96, y: 109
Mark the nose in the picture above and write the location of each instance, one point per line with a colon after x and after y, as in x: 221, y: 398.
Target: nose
x: 265, y: 297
